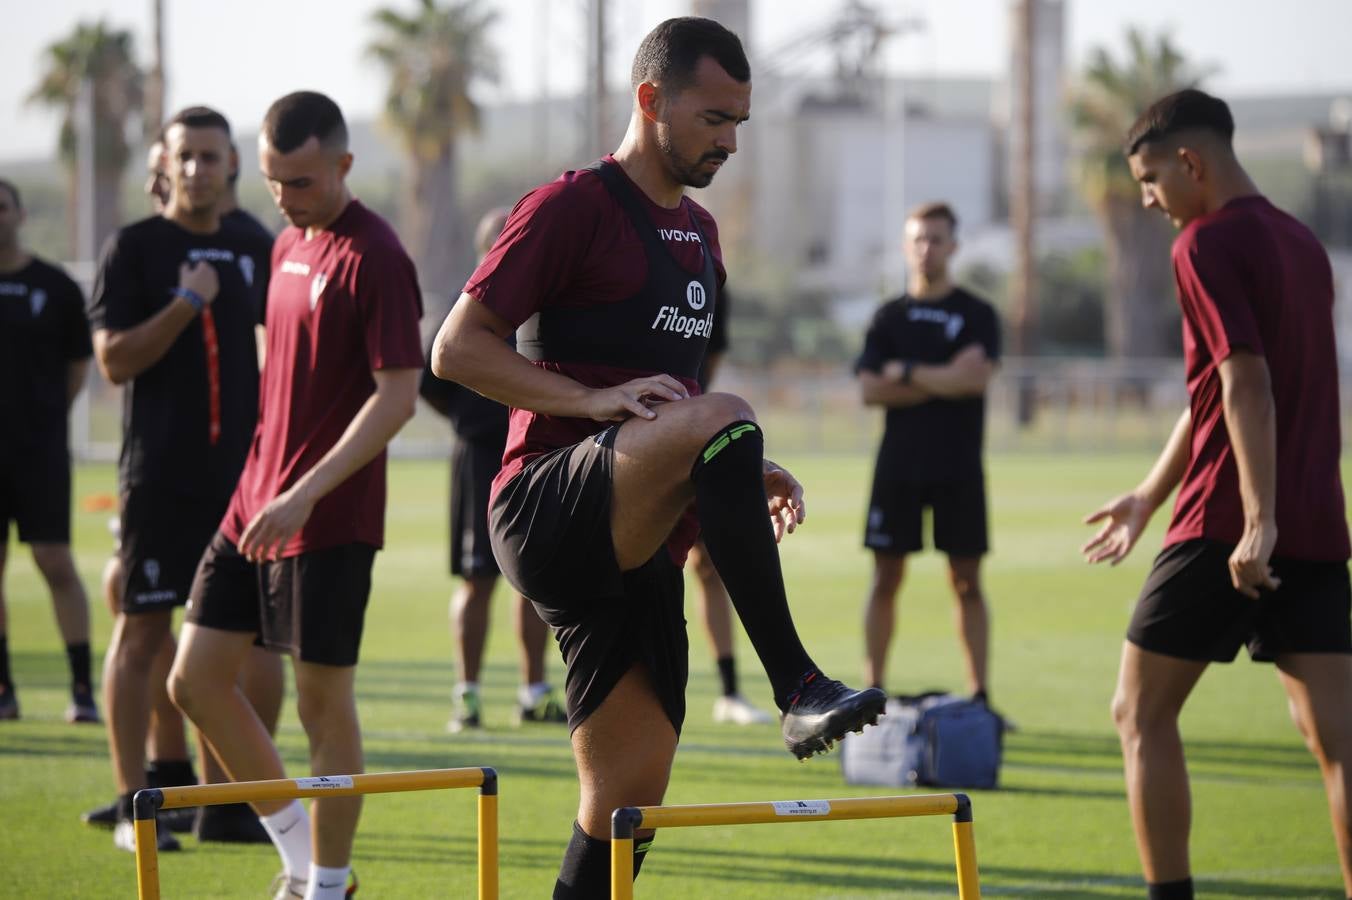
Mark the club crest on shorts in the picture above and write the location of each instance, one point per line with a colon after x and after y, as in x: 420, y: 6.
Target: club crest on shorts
x: 246, y: 268
x: 317, y: 285
x: 694, y: 295
x: 151, y: 568
x: 36, y: 301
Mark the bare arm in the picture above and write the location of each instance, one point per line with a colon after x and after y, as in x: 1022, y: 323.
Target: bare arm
x: 1251, y: 420
x: 126, y: 353
x: 1128, y: 514
x: 882, y: 389
x: 379, y: 419
x: 471, y: 349
x: 76, y: 372
x: 965, y: 375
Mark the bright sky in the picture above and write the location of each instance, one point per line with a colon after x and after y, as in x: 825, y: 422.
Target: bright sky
x: 240, y: 55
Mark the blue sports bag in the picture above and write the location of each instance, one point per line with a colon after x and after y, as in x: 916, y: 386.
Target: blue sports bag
x: 933, y: 739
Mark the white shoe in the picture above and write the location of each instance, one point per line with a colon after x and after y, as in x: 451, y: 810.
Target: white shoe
x: 737, y: 710
x: 124, y: 837
x: 284, y: 888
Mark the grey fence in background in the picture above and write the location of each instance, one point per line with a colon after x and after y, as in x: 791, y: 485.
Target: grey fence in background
x: 1077, y: 406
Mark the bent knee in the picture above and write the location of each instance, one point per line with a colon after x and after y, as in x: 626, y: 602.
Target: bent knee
x: 719, y: 409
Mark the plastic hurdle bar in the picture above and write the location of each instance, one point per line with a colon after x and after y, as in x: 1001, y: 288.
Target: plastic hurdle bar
x: 624, y: 822
x: 148, y: 802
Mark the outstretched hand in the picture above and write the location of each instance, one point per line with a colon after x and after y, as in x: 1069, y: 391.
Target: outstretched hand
x: 1126, y: 518
x: 785, y: 494
x: 634, y: 398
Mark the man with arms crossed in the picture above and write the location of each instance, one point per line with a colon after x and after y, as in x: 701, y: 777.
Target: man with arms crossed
x: 928, y: 357
x: 1256, y: 552
x: 44, y: 356
x: 175, y: 306
x: 291, y: 563
x: 480, y: 429
x: 611, y: 271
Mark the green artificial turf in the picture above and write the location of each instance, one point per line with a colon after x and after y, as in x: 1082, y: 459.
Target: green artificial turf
x: 1058, y: 827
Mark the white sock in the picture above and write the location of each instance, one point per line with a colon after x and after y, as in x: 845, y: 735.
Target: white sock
x: 290, y: 832
x: 327, y: 884
x: 464, y: 687
x: 531, y: 694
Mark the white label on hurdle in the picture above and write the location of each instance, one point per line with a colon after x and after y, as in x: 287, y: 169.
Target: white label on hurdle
x: 802, y: 807
x: 324, y: 782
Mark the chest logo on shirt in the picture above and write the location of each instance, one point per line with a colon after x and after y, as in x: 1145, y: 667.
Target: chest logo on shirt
x: 36, y: 301
x: 246, y: 268
x: 694, y: 295
x: 317, y: 285
x: 151, y: 568
x: 675, y: 234
x: 952, y: 322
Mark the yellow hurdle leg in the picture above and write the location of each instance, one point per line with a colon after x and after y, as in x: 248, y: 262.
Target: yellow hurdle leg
x: 488, y: 846
x: 964, y: 848
x: 147, y: 849
x: 621, y: 869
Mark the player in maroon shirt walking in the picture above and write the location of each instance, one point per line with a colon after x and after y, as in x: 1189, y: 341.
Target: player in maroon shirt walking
x: 291, y: 563
x: 1256, y: 553
x: 612, y: 274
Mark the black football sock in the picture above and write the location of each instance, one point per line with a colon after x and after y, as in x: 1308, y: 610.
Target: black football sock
x: 5, y: 680
x: 585, y: 872
x: 727, y: 674
x: 1170, y: 890
x: 78, y: 657
x: 728, y: 475
x: 162, y: 773
x: 641, y: 848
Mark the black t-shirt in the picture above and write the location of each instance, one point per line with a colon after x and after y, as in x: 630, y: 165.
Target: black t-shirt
x: 473, y: 416
x: 940, y: 439
x: 166, y: 409
x: 42, y: 330
x: 245, y: 221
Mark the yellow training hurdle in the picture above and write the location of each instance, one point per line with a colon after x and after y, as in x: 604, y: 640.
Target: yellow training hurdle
x: 624, y: 822
x: 148, y: 802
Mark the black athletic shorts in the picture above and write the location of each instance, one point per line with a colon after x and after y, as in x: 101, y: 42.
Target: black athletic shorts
x: 312, y: 606
x: 162, y: 536
x: 1189, y: 609
x: 474, y: 464
x: 551, y: 536
x: 35, y: 495
x: 896, y: 514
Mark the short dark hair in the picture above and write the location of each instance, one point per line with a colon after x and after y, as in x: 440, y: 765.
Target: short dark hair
x: 1185, y: 110
x: 8, y: 185
x: 297, y: 117
x: 670, y: 52
x: 935, y: 210
x: 197, y: 117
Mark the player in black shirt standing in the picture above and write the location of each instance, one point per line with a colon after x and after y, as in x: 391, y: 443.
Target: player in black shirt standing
x: 175, y: 306
x: 480, y: 427
x: 44, y: 355
x: 927, y: 359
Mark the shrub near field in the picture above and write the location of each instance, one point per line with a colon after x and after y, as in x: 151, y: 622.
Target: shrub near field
x: 1058, y: 827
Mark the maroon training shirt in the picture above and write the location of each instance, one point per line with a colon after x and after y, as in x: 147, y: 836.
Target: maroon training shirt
x: 1250, y: 276
x: 340, y: 305
x: 568, y: 243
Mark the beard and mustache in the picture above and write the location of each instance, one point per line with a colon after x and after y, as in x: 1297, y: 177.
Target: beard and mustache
x: 690, y: 174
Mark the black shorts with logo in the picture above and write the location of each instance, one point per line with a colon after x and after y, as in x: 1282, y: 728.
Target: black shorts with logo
x: 312, y: 606
x: 551, y: 536
x: 474, y: 464
x: 896, y: 514
x: 162, y: 536
x: 1189, y: 609
x: 35, y: 494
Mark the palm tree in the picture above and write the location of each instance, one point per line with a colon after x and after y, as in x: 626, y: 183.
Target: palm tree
x: 1141, y: 319
x: 432, y: 57
x: 103, y: 56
